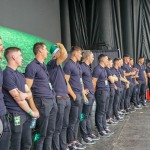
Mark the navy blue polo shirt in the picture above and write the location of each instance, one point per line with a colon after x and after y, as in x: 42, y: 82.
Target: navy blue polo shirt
x: 127, y: 69
x: 13, y: 79
x: 100, y: 73
x: 2, y: 105
x: 122, y: 75
x: 87, y: 77
x: 40, y: 76
x: 118, y: 74
x: 57, y: 78
x: 141, y: 72
x: 133, y: 79
x: 147, y: 69
x: 74, y: 70
x: 109, y: 73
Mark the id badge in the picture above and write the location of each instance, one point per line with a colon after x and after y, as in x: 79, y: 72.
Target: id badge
x: 106, y: 82
x: 50, y: 85
x: 16, y: 120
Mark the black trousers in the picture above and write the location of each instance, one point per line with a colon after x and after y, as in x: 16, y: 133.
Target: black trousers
x: 45, y: 126
x: 21, y: 136
x: 74, y: 118
x: 62, y: 121
x: 141, y: 92
x: 110, y: 105
x: 116, y: 102
x: 5, y: 139
x: 102, y: 100
x: 85, y: 124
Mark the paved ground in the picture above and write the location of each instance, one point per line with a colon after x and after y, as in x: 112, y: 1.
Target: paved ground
x: 132, y: 134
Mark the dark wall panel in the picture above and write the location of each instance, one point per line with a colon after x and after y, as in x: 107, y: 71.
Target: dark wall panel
x: 38, y: 17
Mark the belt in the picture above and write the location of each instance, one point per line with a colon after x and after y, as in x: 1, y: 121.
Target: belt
x: 62, y: 97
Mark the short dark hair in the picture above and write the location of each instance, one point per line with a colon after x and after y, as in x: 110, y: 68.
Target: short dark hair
x: 131, y: 58
x: 37, y: 46
x: 126, y: 55
x: 75, y: 48
x: 116, y: 59
x: 100, y: 57
x: 9, y: 50
x: 109, y: 59
x: 141, y: 57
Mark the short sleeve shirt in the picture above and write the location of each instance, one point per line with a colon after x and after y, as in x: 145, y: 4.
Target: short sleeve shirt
x: 13, y: 79
x: 110, y: 73
x: 117, y: 73
x: 87, y: 77
x: 100, y: 73
x: 127, y: 69
x: 57, y: 78
x: 2, y: 105
x: 141, y: 69
x: 41, y: 84
x: 74, y: 70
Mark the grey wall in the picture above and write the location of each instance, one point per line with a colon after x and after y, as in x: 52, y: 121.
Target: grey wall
x: 38, y: 17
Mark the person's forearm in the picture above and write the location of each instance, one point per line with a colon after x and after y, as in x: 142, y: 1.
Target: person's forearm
x: 24, y: 105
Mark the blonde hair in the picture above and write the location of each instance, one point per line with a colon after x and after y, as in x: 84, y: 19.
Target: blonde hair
x: 86, y: 54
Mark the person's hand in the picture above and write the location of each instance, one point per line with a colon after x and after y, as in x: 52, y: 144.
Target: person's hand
x: 127, y: 86
x: 115, y: 87
x: 133, y: 73
x: 74, y: 97
x: 59, y: 45
x: 86, y: 91
x: 35, y: 114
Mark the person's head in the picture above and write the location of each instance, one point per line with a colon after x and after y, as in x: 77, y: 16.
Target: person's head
x: 55, y: 51
x: 87, y: 56
x: 126, y: 59
x: 39, y: 49
x: 121, y: 62
x: 141, y: 60
x: 110, y: 63
x: 76, y: 52
x: 117, y: 62
x: 103, y: 59
x: 131, y: 62
x: 148, y: 63
x: 1, y: 48
x: 13, y: 56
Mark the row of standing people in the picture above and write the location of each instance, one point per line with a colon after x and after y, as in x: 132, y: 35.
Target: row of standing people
x: 60, y: 95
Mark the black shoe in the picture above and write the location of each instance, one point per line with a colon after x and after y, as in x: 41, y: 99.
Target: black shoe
x: 79, y: 145
x: 104, y: 134
x: 88, y: 141
x: 108, y: 131
x: 94, y: 137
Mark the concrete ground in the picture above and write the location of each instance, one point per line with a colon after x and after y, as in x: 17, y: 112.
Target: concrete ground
x: 131, y: 134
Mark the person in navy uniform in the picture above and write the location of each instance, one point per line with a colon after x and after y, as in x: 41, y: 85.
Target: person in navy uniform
x: 37, y: 78
x: 101, y: 86
x: 112, y: 78
x: 73, y: 76
x: 142, y: 80
x: 5, y: 139
x: 135, y: 83
x: 148, y: 73
x: 18, y: 100
x: 123, y: 104
x: 128, y: 73
x: 117, y: 86
x: 57, y: 78
x: 85, y: 124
